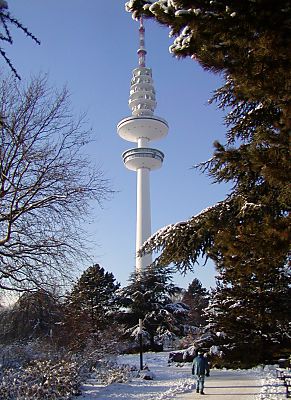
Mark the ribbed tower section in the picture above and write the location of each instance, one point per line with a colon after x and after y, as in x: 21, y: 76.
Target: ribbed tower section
x: 142, y: 127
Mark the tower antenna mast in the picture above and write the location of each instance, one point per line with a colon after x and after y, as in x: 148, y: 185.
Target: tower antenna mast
x: 142, y: 127
x: 141, y: 51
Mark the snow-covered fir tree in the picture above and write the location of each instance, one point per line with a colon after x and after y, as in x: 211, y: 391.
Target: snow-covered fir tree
x: 149, y: 297
x: 196, y: 297
x: 249, y: 315
x: 247, y: 42
x: 89, y: 304
x: 247, y: 235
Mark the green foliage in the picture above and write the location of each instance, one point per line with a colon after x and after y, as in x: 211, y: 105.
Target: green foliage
x: 197, y: 298
x: 148, y: 297
x: 248, y: 43
x: 94, y: 294
x: 248, y: 234
x: 251, y: 310
x: 248, y: 40
x: 183, y: 243
x: 89, y: 305
x: 149, y: 290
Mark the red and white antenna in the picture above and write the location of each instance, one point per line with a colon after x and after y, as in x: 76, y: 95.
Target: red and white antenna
x: 141, y: 51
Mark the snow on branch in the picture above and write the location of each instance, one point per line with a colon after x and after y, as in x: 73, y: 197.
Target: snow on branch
x: 183, y: 242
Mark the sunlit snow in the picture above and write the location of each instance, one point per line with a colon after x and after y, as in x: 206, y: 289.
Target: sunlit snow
x: 172, y: 381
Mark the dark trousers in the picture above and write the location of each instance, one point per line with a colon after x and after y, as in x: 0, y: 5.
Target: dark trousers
x: 200, y: 382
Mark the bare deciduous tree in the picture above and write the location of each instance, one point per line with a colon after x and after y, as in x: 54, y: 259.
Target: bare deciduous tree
x: 47, y: 184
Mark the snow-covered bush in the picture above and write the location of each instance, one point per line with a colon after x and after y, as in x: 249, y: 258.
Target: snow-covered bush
x: 107, y: 372
x: 191, y: 334
x: 18, y: 354
x: 40, y: 380
x: 186, y: 355
x: 130, y: 341
x: 167, y: 339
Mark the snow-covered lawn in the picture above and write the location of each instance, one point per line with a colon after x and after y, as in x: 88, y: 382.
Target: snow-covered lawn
x: 172, y: 381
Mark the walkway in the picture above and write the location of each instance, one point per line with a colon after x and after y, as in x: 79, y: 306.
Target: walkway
x: 227, y: 385
x: 177, y: 383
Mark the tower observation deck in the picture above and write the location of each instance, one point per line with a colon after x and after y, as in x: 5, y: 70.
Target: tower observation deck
x: 142, y: 127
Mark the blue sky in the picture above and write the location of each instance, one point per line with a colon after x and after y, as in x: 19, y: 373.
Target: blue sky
x: 90, y: 46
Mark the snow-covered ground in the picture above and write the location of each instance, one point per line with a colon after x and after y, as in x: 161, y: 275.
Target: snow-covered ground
x: 171, y: 382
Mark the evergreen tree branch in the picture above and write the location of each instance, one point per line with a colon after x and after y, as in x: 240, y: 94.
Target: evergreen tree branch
x: 6, y: 19
x: 3, y: 54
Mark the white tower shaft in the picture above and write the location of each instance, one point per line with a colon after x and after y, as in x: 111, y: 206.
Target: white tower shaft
x: 142, y: 127
x: 143, y: 216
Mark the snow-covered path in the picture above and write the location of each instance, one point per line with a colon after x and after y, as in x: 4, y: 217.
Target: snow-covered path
x: 176, y: 383
x: 232, y: 385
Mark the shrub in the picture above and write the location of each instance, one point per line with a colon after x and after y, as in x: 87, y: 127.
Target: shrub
x: 46, y: 379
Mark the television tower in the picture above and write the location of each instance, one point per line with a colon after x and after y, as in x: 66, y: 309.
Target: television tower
x: 142, y: 127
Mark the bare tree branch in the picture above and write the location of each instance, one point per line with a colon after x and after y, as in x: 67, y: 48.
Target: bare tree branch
x: 47, y: 184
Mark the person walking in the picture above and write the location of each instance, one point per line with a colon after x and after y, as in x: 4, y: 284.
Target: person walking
x: 200, y: 368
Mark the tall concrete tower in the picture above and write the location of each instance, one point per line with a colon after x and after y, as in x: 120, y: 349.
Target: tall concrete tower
x: 142, y: 127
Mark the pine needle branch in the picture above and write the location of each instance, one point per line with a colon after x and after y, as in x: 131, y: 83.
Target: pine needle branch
x: 4, y: 18
x: 8, y: 37
x: 3, y: 54
x: 20, y: 26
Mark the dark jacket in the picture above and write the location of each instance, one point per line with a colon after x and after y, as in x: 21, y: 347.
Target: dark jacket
x: 200, y: 366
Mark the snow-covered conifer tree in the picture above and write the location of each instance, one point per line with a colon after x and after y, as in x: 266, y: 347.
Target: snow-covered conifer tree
x: 248, y: 43
x: 249, y: 315
x: 89, y: 305
x: 149, y: 297
x: 197, y: 298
